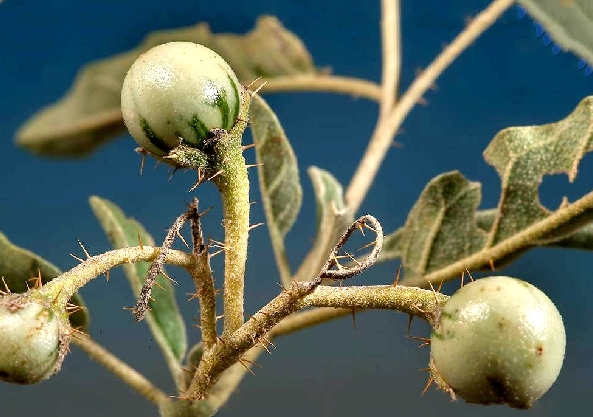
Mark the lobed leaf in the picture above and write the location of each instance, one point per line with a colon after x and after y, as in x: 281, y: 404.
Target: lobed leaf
x: 278, y: 178
x: 443, y: 227
x: 163, y: 318
x: 333, y: 217
x: 19, y: 266
x: 568, y: 22
x: 89, y: 114
x: 523, y: 155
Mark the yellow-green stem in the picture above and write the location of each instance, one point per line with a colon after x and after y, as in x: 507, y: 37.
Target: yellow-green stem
x: 64, y: 286
x: 233, y: 183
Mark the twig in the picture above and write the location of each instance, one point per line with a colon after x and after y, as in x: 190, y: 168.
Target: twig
x: 119, y: 368
x: 383, y: 135
x: 63, y: 287
x: 201, y: 274
x: 323, y: 83
x: 391, y: 43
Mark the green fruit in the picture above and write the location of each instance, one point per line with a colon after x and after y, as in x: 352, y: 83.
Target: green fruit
x: 176, y: 93
x: 499, y: 340
x: 33, y: 339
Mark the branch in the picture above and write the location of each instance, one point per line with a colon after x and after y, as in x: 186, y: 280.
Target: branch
x: 64, y: 286
x: 387, y: 127
x: 511, y: 245
x: 201, y: 274
x: 119, y: 368
x: 391, y: 42
x: 323, y: 83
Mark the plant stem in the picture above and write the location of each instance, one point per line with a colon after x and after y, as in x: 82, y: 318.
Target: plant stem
x: 233, y: 184
x: 204, y: 283
x: 382, y: 137
x: 119, y: 368
x: 324, y: 83
x: 391, y: 43
x: 63, y: 287
x: 511, y: 245
x: 409, y: 300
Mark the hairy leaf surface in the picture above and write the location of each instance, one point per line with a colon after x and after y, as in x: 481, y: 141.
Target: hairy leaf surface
x: 443, y: 227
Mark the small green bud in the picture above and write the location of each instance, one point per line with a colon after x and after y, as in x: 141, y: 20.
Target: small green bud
x: 175, y: 93
x: 498, y: 340
x: 33, y: 339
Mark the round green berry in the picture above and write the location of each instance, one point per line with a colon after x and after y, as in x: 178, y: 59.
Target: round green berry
x: 499, y: 340
x: 176, y: 93
x: 33, y: 339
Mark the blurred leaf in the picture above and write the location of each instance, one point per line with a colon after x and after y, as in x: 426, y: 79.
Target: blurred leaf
x: 163, y: 318
x: 333, y: 218
x: 568, y: 22
x: 89, y: 114
x: 18, y: 266
x: 194, y: 356
x: 442, y: 227
x: 278, y: 178
x: 392, y: 246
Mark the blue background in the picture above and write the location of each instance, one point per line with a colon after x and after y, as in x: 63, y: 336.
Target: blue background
x: 507, y: 78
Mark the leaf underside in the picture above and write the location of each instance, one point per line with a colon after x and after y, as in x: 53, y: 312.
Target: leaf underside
x: 163, y: 318
x: 444, y: 227
x: 279, y: 182
x: 19, y: 267
x: 89, y: 114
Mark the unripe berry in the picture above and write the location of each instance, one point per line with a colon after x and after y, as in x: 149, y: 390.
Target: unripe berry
x: 176, y: 93
x: 499, y: 340
x: 33, y: 339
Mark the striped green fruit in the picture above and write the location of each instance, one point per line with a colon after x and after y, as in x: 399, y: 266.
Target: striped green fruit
x: 176, y: 93
x: 499, y: 340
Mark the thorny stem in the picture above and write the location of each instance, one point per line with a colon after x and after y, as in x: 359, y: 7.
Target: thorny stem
x: 201, y: 274
x: 230, y: 349
x: 386, y: 128
x: 409, y: 300
x: 324, y: 83
x: 391, y: 43
x: 119, y: 368
x: 511, y: 245
x: 233, y: 184
x: 63, y: 287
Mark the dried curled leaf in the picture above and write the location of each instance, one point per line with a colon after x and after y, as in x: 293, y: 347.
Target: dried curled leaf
x: 89, y: 114
x: 278, y: 178
x: 19, y: 268
x: 443, y: 227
